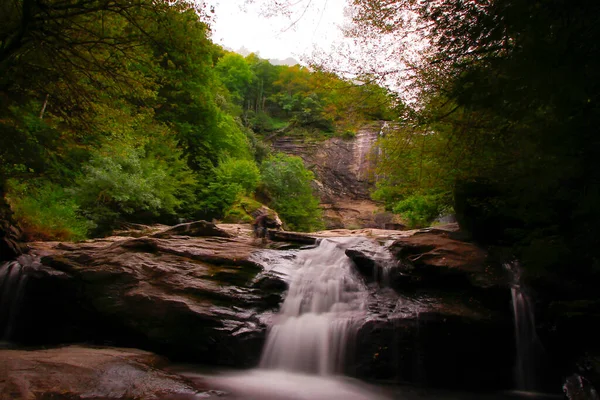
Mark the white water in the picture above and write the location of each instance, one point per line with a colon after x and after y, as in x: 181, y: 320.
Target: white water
x: 306, y: 346
x: 385, y: 262
x: 12, y: 283
x: 325, y: 302
x: 363, y: 148
x: 278, y: 385
x: 527, y: 342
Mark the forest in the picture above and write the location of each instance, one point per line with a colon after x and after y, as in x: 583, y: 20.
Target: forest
x: 117, y: 113
x: 114, y: 113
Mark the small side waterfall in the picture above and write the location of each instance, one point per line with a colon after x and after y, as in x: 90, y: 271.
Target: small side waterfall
x: 385, y: 263
x: 325, y: 301
x: 527, y: 342
x: 12, y: 284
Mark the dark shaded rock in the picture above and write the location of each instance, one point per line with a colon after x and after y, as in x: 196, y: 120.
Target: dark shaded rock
x: 11, y: 244
x: 271, y: 287
x: 365, y: 264
x: 435, y: 257
x: 88, y: 373
x: 375, y: 263
x: 294, y: 237
x: 10, y: 248
x: 198, y: 228
x: 394, y: 226
x: 271, y: 282
x: 437, y: 349
x: 441, y: 321
x: 576, y: 387
x: 567, y: 331
x: 190, y: 298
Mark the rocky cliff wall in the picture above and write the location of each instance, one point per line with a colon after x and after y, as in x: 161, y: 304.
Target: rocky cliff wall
x: 344, y: 175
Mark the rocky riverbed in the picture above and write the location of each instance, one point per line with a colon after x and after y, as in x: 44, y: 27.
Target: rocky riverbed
x: 438, y: 309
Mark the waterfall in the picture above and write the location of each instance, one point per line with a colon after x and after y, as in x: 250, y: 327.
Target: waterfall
x: 362, y: 149
x: 527, y: 342
x: 324, y: 304
x: 12, y: 284
x: 385, y: 262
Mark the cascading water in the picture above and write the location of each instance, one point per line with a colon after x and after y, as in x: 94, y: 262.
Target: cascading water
x: 385, y: 263
x: 12, y: 283
x: 324, y: 303
x: 306, y: 345
x: 527, y: 342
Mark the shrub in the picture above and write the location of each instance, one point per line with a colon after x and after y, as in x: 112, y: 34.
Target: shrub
x: 46, y: 211
x: 241, y: 211
x: 233, y: 178
x: 288, y: 184
x: 133, y: 185
x: 421, y: 209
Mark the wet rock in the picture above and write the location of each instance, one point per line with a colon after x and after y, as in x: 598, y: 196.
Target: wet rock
x: 576, y: 387
x: 294, y: 237
x: 436, y: 348
x: 438, y: 317
x: 198, y: 228
x: 375, y: 263
x: 190, y: 298
x: 88, y: 373
x: 11, y: 244
x: 436, y: 257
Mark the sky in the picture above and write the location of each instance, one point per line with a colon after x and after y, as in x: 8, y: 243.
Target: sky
x: 311, y: 23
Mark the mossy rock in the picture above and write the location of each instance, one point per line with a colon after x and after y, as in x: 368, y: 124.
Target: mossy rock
x: 242, y: 211
x: 246, y: 210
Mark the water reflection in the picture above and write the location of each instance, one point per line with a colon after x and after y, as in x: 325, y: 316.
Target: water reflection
x: 260, y: 384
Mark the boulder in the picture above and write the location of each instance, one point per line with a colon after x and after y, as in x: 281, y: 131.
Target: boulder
x: 437, y: 257
x: 89, y: 373
x: 576, y: 387
x: 196, y: 299
x: 439, y: 313
x: 449, y: 346
x: 197, y: 228
x: 293, y: 237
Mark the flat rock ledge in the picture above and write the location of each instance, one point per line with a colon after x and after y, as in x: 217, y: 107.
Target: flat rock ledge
x: 76, y: 372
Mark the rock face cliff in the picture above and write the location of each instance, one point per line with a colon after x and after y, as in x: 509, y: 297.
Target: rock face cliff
x: 344, y: 175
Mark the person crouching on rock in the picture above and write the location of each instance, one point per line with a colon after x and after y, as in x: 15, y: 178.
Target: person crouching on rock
x: 260, y: 227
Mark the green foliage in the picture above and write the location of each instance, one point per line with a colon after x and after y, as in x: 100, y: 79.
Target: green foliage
x: 288, y: 184
x: 419, y: 210
x: 28, y: 145
x: 130, y: 184
x: 239, y: 171
x: 236, y: 74
x: 241, y: 211
x: 133, y: 107
x: 45, y: 211
x: 233, y: 178
x: 511, y: 102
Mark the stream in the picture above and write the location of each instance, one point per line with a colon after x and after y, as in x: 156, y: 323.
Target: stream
x: 306, y: 346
